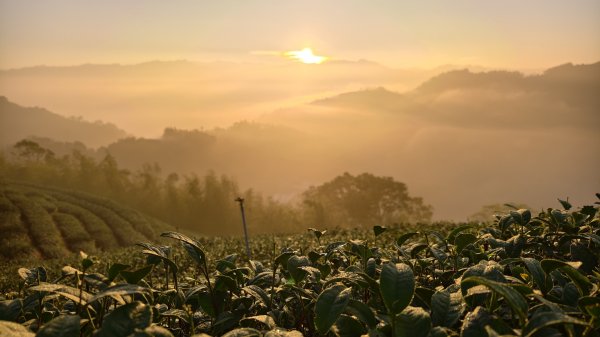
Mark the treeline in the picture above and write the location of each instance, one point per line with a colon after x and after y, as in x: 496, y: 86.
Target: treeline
x: 205, y: 203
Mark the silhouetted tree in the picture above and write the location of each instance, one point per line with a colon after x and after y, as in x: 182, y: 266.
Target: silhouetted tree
x: 363, y: 200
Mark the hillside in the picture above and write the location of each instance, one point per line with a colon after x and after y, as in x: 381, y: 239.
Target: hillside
x: 565, y: 95
x: 43, y: 222
x: 195, y: 94
x: 18, y: 122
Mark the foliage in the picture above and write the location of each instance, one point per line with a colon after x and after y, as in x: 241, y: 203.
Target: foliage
x: 51, y: 223
x: 524, y: 275
x: 488, y: 213
x: 203, y: 204
x: 363, y: 200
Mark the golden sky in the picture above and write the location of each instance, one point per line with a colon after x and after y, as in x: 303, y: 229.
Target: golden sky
x: 508, y: 33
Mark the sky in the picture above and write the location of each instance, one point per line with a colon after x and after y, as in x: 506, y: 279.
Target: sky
x: 507, y: 34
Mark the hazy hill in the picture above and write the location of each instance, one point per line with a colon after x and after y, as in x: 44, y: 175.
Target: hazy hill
x: 469, y: 138
x: 461, y: 140
x: 258, y: 155
x: 145, y: 98
x: 17, y: 122
x: 561, y: 96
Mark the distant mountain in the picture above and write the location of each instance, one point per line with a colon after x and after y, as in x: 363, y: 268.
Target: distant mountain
x: 583, y: 81
x: 195, y: 94
x: 563, y: 95
x: 460, y: 139
x: 257, y: 154
x: 17, y: 122
x: 372, y: 99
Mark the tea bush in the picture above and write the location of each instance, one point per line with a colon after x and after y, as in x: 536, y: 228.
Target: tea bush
x: 524, y: 275
x: 42, y: 222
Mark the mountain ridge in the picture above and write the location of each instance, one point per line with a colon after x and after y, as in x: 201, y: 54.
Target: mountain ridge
x: 21, y: 122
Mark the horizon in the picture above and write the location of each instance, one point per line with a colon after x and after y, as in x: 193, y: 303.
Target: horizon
x: 536, y: 34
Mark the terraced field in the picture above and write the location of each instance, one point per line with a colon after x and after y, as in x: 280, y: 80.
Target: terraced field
x: 42, y: 222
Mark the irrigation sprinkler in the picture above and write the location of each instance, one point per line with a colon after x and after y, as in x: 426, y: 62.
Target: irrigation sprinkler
x: 241, y: 201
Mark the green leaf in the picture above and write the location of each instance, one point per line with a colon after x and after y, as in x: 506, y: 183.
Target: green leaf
x: 293, y: 266
x: 205, y: 301
x: 397, y: 286
x: 317, y: 232
x: 134, y: 277
x: 124, y: 320
x: 475, y: 322
x: 62, y: 326
x: 282, y: 259
x: 177, y: 313
x: 541, y: 320
x: 330, y: 305
x: 464, y: 239
x: 259, y: 294
x: 591, y: 305
x: 280, y: 332
x: 565, y: 204
x: 417, y: 249
x: 412, y: 322
x: 581, y: 281
x: 537, y: 273
x: 86, y: 263
x: 402, y: 239
x: 446, y: 308
x: 437, y: 332
x: 348, y: 326
x: 515, y: 300
x: 488, y: 269
x: 192, y: 247
x: 260, y: 322
x: 453, y: 233
x: 153, y: 331
x: 33, y: 275
x: 224, y: 282
x: 363, y: 312
x: 10, y: 309
x: 378, y: 230
x: 12, y: 329
x: 121, y: 290
x: 243, y: 332
x: 65, y: 291
x: 115, y: 270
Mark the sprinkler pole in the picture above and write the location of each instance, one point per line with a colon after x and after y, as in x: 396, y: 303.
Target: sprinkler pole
x: 241, y: 202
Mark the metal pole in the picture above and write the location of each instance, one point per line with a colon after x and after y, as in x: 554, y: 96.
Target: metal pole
x: 241, y: 201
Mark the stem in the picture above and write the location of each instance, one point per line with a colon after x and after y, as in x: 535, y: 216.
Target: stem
x: 272, y: 287
x: 87, y: 310
x: 210, y: 289
x: 273, y: 278
x: 175, y: 280
x: 167, y: 274
x: 80, y: 285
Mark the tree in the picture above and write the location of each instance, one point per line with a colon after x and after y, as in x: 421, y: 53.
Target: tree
x: 363, y: 200
x: 30, y: 150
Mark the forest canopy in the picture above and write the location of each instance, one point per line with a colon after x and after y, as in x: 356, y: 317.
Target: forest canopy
x: 204, y: 204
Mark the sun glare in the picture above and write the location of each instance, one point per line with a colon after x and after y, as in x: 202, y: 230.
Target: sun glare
x: 305, y: 56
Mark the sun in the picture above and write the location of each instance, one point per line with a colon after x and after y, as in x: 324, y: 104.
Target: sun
x: 305, y: 56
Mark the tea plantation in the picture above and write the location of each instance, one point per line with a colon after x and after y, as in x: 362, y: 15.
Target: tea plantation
x: 40, y: 222
x: 524, y: 275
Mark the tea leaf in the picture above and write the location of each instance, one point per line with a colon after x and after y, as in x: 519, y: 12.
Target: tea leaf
x: 397, y: 286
